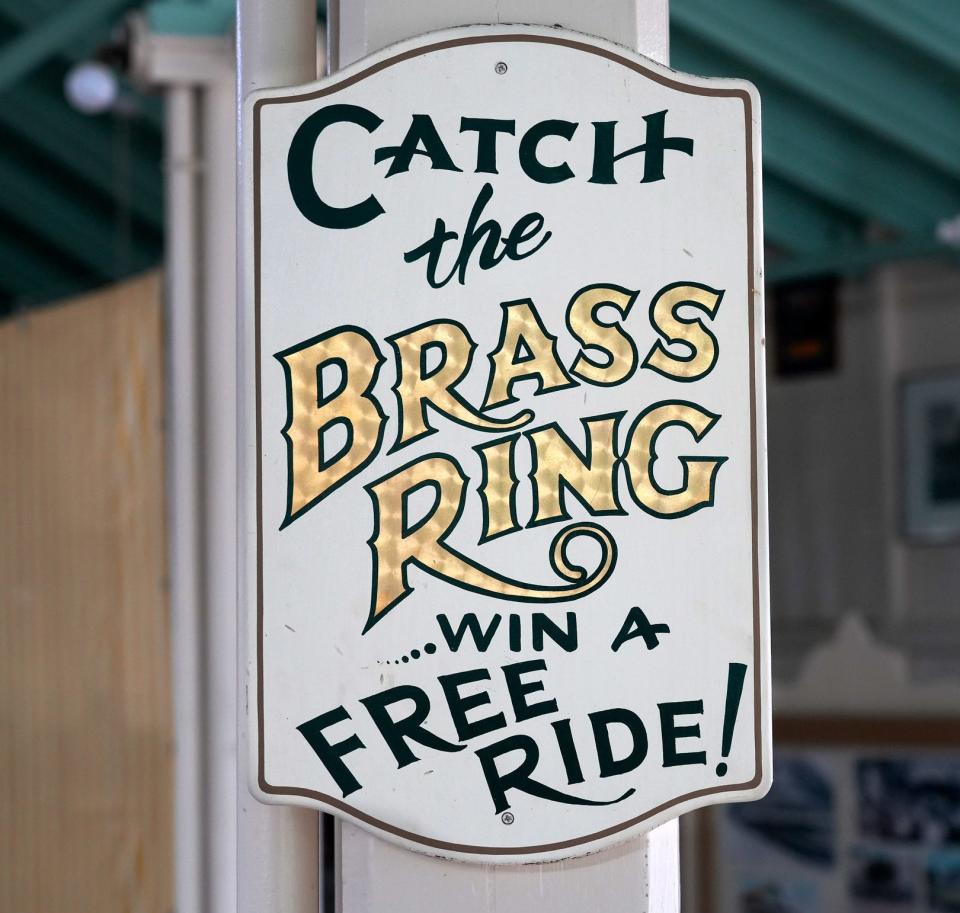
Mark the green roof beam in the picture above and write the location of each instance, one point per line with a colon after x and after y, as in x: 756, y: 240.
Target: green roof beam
x: 851, y: 259
x: 28, y: 51
x: 929, y: 26
x: 801, y: 45
x: 29, y: 276
x: 191, y: 17
x: 69, y: 226
x: 81, y: 147
x: 829, y: 158
x: 198, y: 17
x: 796, y: 222
x: 27, y: 16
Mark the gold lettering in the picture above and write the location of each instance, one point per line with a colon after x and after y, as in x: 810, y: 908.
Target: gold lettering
x: 591, y: 477
x: 699, y: 473
x: 312, y: 473
x: 525, y: 350
x: 592, y: 333
x: 418, y: 387
x: 498, y: 488
x: 397, y: 543
x: 689, y: 332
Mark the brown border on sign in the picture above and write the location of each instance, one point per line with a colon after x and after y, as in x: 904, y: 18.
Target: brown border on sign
x: 818, y: 732
x: 664, y: 80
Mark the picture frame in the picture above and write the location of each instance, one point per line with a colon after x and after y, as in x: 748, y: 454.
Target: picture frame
x: 930, y: 425
x: 856, y: 819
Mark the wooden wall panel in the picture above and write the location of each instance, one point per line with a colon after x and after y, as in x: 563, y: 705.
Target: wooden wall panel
x: 85, y: 717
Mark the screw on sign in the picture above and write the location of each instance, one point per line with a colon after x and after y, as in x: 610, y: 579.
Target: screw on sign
x: 511, y: 556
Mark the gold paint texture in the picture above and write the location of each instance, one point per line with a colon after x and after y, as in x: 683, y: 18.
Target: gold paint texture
x: 499, y: 488
x: 414, y: 390
x: 699, y: 472
x: 690, y: 332
x: 309, y: 415
x: 521, y: 323
x: 593, y: 478
x: 609, y: 337
x: 395, y: 543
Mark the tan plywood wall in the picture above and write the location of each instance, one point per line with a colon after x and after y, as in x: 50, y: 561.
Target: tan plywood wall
x: 85, y: 718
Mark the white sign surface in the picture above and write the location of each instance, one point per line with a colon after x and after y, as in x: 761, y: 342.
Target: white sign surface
x: 508, y: 590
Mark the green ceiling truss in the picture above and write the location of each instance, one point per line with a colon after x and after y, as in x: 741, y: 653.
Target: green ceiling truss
x: 860, y: 115
x: 54, y: 32
x: 861, y: 133
x: 81, y: 198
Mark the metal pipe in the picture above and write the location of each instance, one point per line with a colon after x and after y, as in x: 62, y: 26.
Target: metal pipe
x: 183, y: 494
x: 277, y: 847
x: 36, y: 45
x: 218, y: 459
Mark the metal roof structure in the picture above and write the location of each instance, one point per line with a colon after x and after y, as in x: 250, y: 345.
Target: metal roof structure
x: 861, y: 133
x: 81, y: 198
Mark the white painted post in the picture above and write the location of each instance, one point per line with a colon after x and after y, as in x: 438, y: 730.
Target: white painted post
x: 230, y: 853
x: 198, y: 78
x: 218, y: 454
x: 277, y: 847
x: 641, y: 876
x: 196, y: 75
x: 360, y: 27
x: 183, y: 491
x: 278, y: 864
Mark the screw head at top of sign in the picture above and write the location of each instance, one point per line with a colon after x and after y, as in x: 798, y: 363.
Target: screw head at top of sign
x: 500, y: 68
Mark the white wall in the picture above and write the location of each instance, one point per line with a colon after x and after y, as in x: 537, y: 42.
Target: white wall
x: 835, y: 479
x: 843, y: 577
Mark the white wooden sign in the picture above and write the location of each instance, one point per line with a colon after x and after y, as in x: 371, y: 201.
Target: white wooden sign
x: 510, y: 562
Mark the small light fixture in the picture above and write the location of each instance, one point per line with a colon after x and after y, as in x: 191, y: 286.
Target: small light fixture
x: 92, y: 87
x: 948, y: 231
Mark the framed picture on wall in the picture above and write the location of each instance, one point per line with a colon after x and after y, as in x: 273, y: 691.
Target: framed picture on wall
x: 863, y: 817
x: 931, y: 456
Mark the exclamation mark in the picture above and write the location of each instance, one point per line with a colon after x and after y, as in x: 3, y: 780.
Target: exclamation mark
x: 735, y: 675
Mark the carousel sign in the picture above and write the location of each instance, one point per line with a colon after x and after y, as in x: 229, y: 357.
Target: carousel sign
x: 510, y: 553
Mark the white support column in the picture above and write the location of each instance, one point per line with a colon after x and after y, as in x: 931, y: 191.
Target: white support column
x: 230, y: 852
x: 218, y: 454
x: 183, y: 491
x: 360, y: 27
x: 641, y: 876
x: 197, y: 76
x: 277, y: 847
